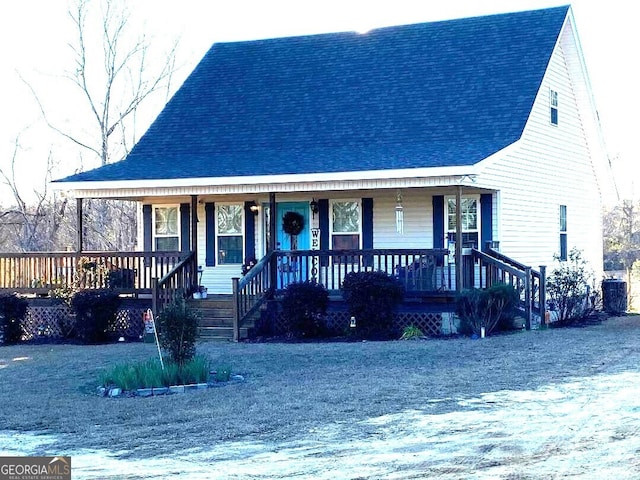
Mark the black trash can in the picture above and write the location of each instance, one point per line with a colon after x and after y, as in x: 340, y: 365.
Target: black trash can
x: 614, y: 296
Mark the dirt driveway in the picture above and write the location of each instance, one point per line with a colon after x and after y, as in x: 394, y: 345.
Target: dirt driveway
x: 532, y: 405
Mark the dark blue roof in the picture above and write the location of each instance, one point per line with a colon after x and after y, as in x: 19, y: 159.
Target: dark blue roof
x: 434, y: 94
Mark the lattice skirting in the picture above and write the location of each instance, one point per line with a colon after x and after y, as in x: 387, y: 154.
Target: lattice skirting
x: 56, y: 321
x: 430, y: 323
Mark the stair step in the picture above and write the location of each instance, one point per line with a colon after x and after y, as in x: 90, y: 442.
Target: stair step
x: 220, y: 333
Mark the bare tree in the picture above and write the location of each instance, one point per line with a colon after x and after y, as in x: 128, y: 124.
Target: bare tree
x: 113, y: 75
x: 33, y: 226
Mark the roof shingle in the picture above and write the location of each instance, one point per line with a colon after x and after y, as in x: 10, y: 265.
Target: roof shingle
x: 434, y: 94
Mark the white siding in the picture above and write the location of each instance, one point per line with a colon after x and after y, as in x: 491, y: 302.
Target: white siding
x: 418, y: 214
x: 552, y: 166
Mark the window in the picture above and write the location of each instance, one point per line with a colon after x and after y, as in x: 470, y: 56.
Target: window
x: 345, y: 225
x: 166, y: 229
x: 563, y: 233
x: 229, y: 233
x: 553, y: 103
x: 470, y: 223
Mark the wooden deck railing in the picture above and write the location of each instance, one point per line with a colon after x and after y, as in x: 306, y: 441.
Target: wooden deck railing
x: 41, y: 273
x: 181, y: 280
x: 418, y: 269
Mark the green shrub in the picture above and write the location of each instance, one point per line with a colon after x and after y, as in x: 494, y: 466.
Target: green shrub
x: 372, y: 298
x: 178, y: 331
x: 477, y: 308
x: 411, y: 332
x: 95, y: 314
x: 568, y: 289
x: 13, y: 309
x: 304, y: 307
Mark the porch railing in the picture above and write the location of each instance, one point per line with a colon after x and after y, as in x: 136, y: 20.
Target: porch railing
x: 492, y: 267
x: 179, y: 281
x: 418, y: 269
x: 40, y: 273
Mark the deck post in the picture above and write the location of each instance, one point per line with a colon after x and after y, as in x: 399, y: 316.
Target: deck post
x: 527, y: 297
x: 236, y: 309
x: 79, y: 215
x: 543, y: 293
x: 154, y: 295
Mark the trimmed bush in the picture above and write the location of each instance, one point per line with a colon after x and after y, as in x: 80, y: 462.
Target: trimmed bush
x: 95, y: 314
x: 568, y: 289
x: 372, y: 298
x: 304, y: 306
x: 487, y: 308
x: 178, y: 331
x: 13, y: 309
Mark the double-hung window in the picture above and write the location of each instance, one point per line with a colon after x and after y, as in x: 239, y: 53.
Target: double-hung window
x: 563, y: 233
x: 346, y: 225
x: 470, y: 220
x: 229, y: 233
x: 166, y: 228
x: 553, y: 106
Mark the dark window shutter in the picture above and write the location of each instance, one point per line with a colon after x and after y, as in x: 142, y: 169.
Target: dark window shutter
x: 210, y: 233
x: 367, y: 228
x: 249, y: 231
x: 147, y: 228
x: 185, y: 227
x: 323, y: 219
x: 438, y: 221
x: 486, y: 219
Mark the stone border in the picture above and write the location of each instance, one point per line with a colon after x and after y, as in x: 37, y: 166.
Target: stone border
x: 160, y: 391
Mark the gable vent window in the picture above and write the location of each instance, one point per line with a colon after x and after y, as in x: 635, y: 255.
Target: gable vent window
x: 553, y: 103
x: 563, y: 233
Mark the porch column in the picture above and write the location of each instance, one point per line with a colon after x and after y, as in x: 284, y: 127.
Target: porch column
x: 194, y: 235
x: 79, y: 215
x: 459, y: 270
x: 194, y: 224
x: 273, y: 277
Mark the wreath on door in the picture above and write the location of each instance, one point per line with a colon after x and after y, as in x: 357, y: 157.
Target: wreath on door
x: 292, y: 223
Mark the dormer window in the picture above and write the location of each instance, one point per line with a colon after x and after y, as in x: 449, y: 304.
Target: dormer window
x: 553, y: 104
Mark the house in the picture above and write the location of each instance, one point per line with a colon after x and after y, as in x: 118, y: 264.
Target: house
x: 373, y: 140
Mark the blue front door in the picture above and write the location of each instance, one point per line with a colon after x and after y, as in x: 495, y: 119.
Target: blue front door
x: 301, y: 242
x: 290, y: 267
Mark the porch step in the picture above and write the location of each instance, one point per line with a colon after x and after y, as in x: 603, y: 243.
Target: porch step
x: 216, y: 318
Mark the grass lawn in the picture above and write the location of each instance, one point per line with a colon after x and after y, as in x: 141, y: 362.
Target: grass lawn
x: 293, y: 390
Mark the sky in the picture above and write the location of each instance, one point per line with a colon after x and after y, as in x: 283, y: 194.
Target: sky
x: 35, y: 37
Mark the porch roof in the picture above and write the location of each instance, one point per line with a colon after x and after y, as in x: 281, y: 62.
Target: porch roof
x: 440, y: 94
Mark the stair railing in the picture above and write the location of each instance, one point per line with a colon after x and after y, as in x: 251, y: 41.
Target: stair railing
x: 251, y: 291
x: 179, y: 281
x: 495, y: 267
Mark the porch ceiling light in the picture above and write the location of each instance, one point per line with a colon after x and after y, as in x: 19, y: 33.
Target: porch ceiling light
x: 253, y: 206
x: 314, y: 207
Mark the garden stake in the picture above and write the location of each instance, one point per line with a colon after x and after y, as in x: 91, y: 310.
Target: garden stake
x: 155, y: 333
